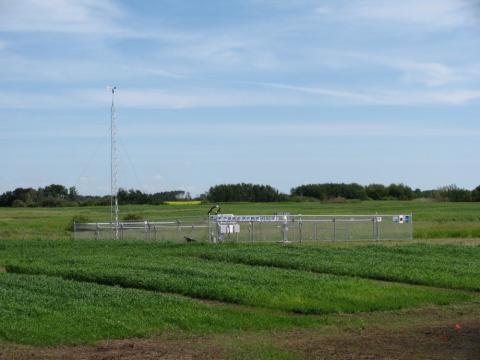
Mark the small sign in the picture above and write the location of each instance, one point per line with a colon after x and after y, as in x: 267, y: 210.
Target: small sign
x: 395, y: 219
x: 379, y: 219
x: 400, y: 219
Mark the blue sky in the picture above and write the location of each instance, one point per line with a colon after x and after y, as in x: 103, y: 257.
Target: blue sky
x: 281, y: 92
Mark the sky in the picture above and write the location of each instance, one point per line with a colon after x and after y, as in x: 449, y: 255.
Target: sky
x: 279, y: 92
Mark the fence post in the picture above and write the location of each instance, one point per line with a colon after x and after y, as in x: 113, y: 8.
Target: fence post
x: 96, y: 231
x: 209, y: 229
x: 334, y: 228
x: 74, y: 230
x: 300, y: 232
x: 374, y: 232
x: 315, y: 231
x: 252, y: 235
x: 411, y: 226
x: 285, y: 229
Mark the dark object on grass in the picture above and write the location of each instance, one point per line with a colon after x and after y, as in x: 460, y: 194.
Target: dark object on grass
x: 189, y: 239
x: 217, y: 207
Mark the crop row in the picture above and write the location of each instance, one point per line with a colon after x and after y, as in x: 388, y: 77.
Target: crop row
x: 449, y: 266
x: 49, y: 310
x: 279, y: 289
x: 445, y: 266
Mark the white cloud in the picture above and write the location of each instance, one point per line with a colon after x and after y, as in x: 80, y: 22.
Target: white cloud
x: 430, y: 13
x: 198, y: 98
x: 269, y: 94
x: 386, y: 96
x: 79, y: 16
x: 19, y: 68
x: 317, y: 129
x: 429, y: 73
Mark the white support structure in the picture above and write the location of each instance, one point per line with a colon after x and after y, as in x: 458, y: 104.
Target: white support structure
x: 114, y: 213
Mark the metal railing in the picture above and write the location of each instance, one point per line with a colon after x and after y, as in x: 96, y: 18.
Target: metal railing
x: 256, y: 228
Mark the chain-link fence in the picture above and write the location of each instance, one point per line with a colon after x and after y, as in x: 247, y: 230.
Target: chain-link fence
x: 256, y: 228
x: 168, y: 230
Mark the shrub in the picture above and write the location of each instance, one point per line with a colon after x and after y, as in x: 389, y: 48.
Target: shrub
x: 133, y: 217
x: 77, y: 219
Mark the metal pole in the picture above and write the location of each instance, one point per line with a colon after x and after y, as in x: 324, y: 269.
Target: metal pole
x: 113, y: 167
x: 300, y: 232
x: 411, y: 226
x: 209, y: 237
x: 334, y: 228
x: 251, y: 232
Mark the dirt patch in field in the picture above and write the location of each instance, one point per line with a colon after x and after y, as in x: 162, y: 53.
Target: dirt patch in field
x: 438, y: 342
x: 151, y: 348
x: 451, y: 332
x: 448, y: 341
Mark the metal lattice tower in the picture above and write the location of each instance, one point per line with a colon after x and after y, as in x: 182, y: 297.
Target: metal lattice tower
x: 113, y: 168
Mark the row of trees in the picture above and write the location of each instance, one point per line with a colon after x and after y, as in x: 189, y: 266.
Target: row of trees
x: 52, y: 195
x: 244, y: 192
x: 335, y: 191
x: 356, y: 191
x: 59, y: 195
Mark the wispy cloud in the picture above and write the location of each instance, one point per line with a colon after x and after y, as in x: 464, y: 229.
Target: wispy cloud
x: 386, y: 96
x: 261, y: 95
x: 251, y: 129
x: 425, y: 13
x: 81, y: 16
x: 182, y: 99
x: 427, y: 73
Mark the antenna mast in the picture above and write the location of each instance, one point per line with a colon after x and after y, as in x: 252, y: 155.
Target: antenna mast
x: 113, y: 168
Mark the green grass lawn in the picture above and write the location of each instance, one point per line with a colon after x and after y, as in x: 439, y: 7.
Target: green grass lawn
x: 431, y: 219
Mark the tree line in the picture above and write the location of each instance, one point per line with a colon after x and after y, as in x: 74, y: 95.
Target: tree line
x: 337, y: 192
x: 58, y: 195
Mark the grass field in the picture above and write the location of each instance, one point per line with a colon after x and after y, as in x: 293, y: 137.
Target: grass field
x: 431, y: 219
x: 55, y: 290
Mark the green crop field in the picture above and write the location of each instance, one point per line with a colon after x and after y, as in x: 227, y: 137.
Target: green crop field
x: 278, y: 289
x: 445, y: 266
x: 58, y: 291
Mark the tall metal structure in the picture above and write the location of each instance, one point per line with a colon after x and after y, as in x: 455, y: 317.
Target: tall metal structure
x: 113, y: 169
